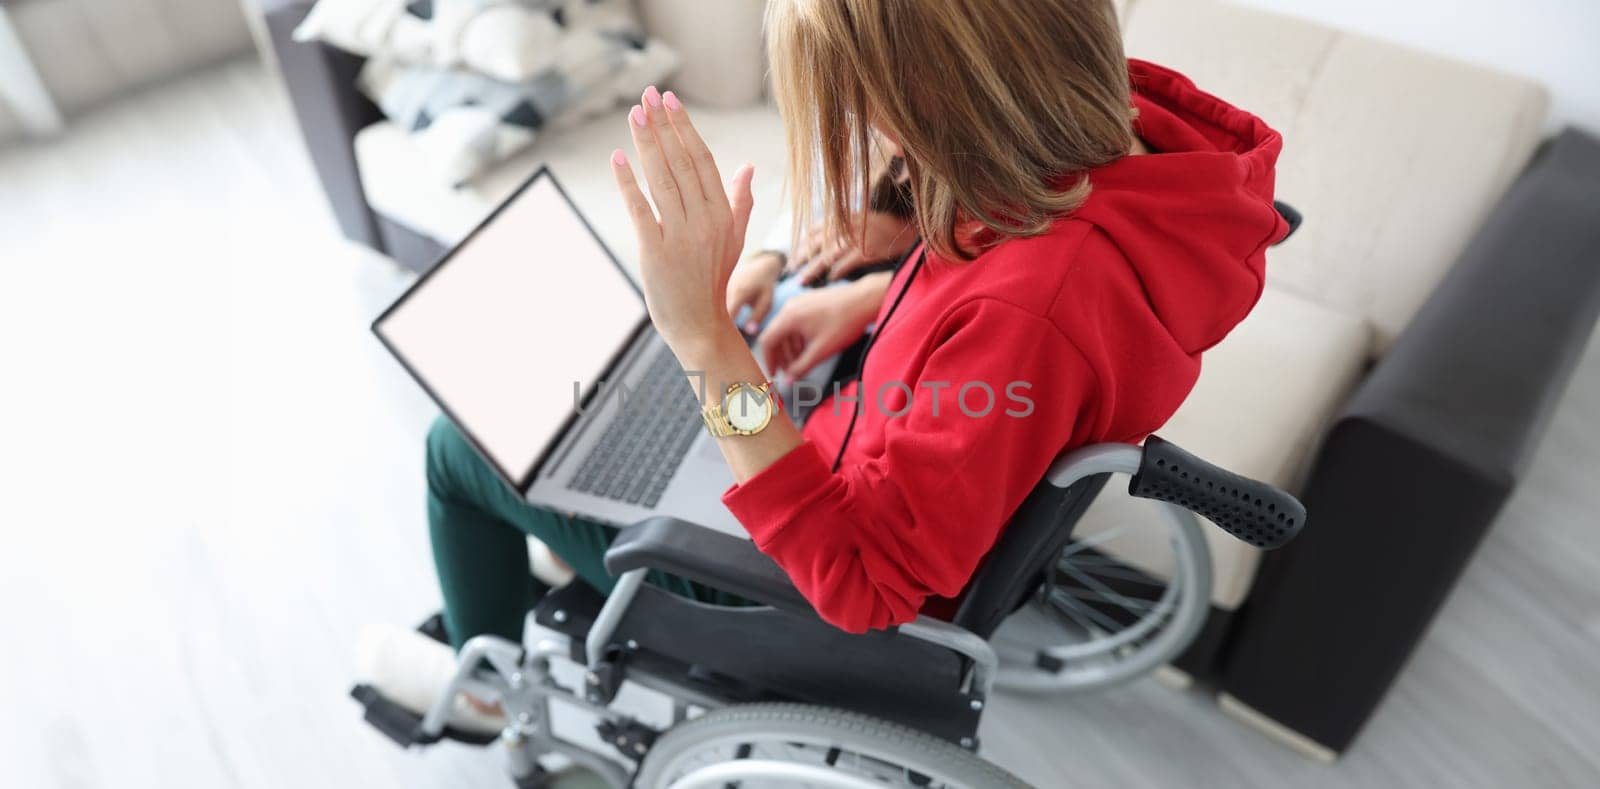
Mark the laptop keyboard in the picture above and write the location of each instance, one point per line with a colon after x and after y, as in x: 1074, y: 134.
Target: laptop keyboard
x: 647, y: 439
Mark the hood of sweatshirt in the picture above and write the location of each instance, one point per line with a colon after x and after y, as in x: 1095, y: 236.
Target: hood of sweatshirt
x: 1193, y: 220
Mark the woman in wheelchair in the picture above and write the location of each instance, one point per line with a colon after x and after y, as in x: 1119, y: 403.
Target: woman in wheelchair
x: 1091, y: 225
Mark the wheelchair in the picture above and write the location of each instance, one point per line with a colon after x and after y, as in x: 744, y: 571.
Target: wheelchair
x: 648, y: 689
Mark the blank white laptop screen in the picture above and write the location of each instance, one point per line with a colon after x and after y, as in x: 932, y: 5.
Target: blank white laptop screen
x: 500, y: 330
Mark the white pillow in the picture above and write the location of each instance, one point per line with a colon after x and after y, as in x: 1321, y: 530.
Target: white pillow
x: 517, y: 40
x: 368, y: 28
x: 464, y: 141
x: 503, y: 41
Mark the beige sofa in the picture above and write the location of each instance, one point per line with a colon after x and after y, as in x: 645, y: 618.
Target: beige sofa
x: 1394, y: 156
x: 1392, y: 202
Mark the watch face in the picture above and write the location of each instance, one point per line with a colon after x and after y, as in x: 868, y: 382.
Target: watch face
x: 747, y: 408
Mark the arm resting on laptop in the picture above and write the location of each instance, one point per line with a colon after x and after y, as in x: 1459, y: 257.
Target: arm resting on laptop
x: 728, y: 563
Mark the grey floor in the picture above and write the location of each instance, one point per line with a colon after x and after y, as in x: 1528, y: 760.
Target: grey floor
x: 211, y: 477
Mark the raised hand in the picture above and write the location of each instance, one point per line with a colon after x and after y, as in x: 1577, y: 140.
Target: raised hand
x: 691, y: 239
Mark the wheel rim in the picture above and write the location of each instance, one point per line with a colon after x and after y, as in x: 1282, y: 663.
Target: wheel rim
x: 770, y: 772
x: 794, y: 760
x: 1105, y: 623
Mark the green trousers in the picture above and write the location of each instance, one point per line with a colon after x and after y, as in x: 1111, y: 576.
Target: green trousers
x: 479, y: 528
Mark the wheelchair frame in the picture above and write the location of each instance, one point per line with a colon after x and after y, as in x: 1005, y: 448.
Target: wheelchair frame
x: 630, y: 706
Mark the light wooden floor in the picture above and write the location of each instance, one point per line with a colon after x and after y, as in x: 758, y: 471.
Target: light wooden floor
x: 211, y: 477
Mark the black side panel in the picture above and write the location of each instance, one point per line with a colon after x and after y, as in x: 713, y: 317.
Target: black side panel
x: 1333, y: 617
x: 321, y: 82
x: 1425, y: 454
x: 407, y: 247
x: 1201, y: 658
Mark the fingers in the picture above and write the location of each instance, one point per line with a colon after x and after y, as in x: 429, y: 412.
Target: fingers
x: 705, y: 165
x: 808, y: 247
x: 850, y: 261
x: 807, y: 356
x: 759, y: 307
x: 735, y: 299
x: 644, y: 219
x: 785, y: 347
x: 775, y: 344
x: 817, y: 272
x: 664, y: 188
x: 758, y: 300
x: 674, y: 154
x: 741, y: 200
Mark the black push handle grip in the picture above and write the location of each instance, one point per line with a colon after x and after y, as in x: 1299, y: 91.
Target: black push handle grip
x: 1255, y: 512
x: 1291, y: 216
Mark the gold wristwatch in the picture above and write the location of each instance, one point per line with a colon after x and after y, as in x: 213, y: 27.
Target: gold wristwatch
x: 745, y: 409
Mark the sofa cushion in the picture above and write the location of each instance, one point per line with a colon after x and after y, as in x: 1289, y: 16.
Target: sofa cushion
x: 1393, y: 155
x: 1263, y: 399
x: 579, y: 156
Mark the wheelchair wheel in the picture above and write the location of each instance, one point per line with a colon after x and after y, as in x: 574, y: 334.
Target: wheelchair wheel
x: 793, y: 745
x: 1099, y: 620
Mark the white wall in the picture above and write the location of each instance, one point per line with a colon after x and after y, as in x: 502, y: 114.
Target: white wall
x: 24, y: 103
x: 1556, y: 42
x: 86, y: 51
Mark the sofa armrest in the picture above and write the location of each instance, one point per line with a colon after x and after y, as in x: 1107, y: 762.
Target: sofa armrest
x: 1423, y: 457
x: 1480, y: 369
x: 722, y: 561
x: 321, y: 83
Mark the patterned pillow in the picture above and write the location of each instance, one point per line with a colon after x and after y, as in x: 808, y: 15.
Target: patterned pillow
x: 474, y: 81
x: 463, y: 122
x: 510, y: 40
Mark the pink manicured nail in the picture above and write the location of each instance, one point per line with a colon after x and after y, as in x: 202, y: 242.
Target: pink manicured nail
x: 637, y: 115
x: 652, y: 96
x: 671, y: 100
x: 618, y: 158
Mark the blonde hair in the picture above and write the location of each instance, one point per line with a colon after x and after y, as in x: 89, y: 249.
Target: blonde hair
x: 998, y: 105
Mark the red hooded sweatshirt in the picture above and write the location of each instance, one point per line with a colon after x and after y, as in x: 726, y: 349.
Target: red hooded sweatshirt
x: 1091, y: 332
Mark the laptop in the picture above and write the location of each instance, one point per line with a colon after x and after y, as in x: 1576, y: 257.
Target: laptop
x: 534, y: 340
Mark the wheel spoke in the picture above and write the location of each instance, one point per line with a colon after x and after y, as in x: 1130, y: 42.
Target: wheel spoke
x: 1098, y: 539
x: 1112, y: 570
x: 1092, y: 596
x: 1102, y: 622
x: 1077, y: 619
x: 1111, y: 595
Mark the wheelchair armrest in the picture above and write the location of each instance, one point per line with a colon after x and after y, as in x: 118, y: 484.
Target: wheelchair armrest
x: 1255, y: 512
x: 722, y: 561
